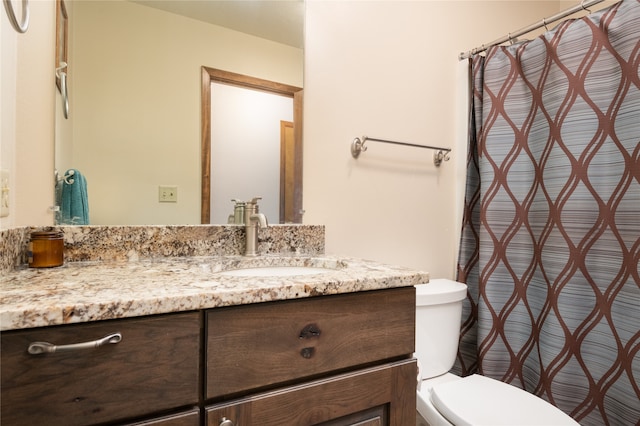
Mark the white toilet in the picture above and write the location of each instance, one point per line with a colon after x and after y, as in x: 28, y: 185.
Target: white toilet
x: 446, y: 399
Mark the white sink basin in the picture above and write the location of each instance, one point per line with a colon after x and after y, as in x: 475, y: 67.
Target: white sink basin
x: 275, y: 271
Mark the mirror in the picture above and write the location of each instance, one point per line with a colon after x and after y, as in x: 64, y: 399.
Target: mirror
x: 134, y: 80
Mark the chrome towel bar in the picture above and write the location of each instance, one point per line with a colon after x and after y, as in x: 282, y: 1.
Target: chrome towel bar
x: 441, y: 154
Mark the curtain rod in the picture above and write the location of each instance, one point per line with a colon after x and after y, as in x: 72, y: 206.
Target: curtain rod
x: 584, y: 5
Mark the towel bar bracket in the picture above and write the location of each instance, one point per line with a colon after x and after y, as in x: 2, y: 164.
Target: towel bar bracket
x: 357, y: 146
x: 440, y: 156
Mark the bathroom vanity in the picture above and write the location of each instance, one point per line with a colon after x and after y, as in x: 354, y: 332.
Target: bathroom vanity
x: 188, y: 345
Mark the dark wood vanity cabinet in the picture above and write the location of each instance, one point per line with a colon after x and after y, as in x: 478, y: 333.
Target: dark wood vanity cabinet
x: 330, y: 360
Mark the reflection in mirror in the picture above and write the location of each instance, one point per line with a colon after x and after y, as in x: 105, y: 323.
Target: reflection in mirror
x: 134, y: 124
x: 251, y: 146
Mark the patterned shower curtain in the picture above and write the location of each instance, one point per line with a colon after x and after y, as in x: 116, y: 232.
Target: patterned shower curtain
x: 550, y: 244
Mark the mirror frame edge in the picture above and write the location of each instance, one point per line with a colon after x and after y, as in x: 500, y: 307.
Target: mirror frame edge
x: 209, y: 75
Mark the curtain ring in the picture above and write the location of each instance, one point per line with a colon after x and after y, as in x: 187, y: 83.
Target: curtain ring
x: 584, y: 8
x: 544, y: 23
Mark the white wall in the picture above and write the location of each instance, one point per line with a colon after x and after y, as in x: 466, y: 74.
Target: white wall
x: 390, y: 69
x: 26, y: 110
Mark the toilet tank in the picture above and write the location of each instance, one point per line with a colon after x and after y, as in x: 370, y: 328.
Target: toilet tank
x: 438, y: 317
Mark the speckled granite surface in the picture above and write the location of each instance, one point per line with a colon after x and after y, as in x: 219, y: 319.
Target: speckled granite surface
x: 87, y: 243
x: 91, y: 291
x: 115, y: 272
x: 13, y: 243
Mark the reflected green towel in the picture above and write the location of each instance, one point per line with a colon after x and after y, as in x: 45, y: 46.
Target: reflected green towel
x: 71, y: 196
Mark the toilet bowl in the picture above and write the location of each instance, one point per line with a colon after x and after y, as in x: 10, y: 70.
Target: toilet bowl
x: 444, y: 399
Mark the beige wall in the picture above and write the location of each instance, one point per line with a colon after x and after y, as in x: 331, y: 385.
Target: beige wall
x: 390, y: 70
x: 26, y: 109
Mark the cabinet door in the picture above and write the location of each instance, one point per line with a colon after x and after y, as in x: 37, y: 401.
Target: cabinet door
x: 154, y: 367
x: 269, y: 344
x: 383, y: 395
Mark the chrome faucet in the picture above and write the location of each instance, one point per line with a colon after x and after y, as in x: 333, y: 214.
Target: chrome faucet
x: 252, y: 219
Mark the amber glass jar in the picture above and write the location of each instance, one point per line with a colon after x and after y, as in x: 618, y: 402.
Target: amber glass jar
x: 46, y: 249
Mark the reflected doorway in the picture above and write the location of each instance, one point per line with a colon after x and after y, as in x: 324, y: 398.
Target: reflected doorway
x: 244, y: 174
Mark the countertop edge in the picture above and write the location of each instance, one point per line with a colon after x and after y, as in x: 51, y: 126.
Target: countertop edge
x: 177, y: 285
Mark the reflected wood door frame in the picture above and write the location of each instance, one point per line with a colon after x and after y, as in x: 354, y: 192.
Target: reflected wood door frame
x: 287, y: 170
x: 210, y: 75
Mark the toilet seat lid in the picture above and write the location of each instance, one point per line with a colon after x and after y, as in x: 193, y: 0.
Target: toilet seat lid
x: 478, y: 400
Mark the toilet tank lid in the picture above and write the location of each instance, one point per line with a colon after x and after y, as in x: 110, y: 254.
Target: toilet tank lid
x: 480, y: 400
x: 440, y: 291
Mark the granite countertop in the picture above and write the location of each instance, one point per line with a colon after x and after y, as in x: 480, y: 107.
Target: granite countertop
x: 90, y: 291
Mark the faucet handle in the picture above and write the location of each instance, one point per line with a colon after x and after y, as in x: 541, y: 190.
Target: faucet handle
x: 254, y: 200
x: 237, y: 216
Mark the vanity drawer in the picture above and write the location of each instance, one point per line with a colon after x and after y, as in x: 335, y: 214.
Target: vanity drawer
x: 383, y: 395
x: 154, y: 367
x: 263, y: 345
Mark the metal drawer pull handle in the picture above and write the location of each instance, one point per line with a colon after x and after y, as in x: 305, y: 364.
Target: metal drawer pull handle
x: 226, y: 422
x: 36, y: 348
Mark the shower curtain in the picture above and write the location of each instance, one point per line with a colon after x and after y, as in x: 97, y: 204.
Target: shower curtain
x: 550, y: 243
